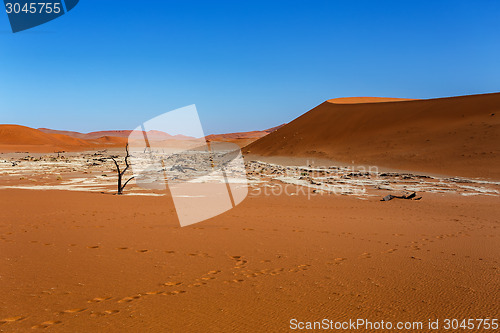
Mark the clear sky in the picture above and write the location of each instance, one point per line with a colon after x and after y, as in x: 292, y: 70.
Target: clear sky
x: 247, y: 65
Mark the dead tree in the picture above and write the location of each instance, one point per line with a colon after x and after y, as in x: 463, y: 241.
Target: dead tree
x: 121, y: 173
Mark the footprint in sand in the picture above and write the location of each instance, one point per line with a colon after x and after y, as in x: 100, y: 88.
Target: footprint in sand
x: 234, y: 281
x: 12, y: 319
x: 93, y: 247
x: 175, y: 292
x: 72, y: 311
x: 240, y: 262
x: 104, y: 313
x: 46, y: 324
x: 199, y: 254
x: 122, y: 248
x: 170, y: 284
x: 208, y: 278
x: 129, y: 299
x: 99, y: 299
x: 299, y: 268
x: 214, y: 272
x: 142, y: 251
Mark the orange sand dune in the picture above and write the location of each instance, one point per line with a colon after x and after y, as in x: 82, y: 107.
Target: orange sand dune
x: 88, y: 136
x: 21, y: 138
x: 242, y: 139
x: 111, y: 140
x: 458, y: 136
x: 21, y: 135
x: 152, y: 135
x: 26, y: 139
x: 358, y: 100
x: 242, y: 135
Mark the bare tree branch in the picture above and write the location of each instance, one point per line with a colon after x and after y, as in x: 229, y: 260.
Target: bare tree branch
x: 121, y: 173
x: 127, y: 182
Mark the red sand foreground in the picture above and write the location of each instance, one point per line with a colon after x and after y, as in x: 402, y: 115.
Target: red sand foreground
x: 90, y: 262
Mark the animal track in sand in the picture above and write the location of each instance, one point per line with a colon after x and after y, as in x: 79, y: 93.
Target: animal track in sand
x: 170, y: 284
x: 175, y: 292
x: 235, y: 280
x: 142, y: 251
x: 299, y: 268
x: 122, y: 248
x: 271, y: 272
x: 337, y: 261
x: 129, y: 299
x: 214, y: 272
x: 104, y: 313
x: 199, y: 254
x: 93, y: 247
x: 12, y: 319
x: 72, y: 311
x: 240, y: 261
x: 253, y: 274
x: 99, y: 299
x: 48, y: 323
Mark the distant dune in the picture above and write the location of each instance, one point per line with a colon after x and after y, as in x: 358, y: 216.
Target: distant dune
x: 457, y: 136
x: 152, y: 135
x: 21, y: 138
x: 26, y: 139
x: 16, y: 137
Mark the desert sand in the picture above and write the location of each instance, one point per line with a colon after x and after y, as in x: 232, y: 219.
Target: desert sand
x: 83, y: 262
x: 312, y: 240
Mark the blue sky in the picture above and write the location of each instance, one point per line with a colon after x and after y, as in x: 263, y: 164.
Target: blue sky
x: 245, y: 64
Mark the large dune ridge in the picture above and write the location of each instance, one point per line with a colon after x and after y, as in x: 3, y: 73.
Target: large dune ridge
x: 456, y: 136
x: 359, y: 100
